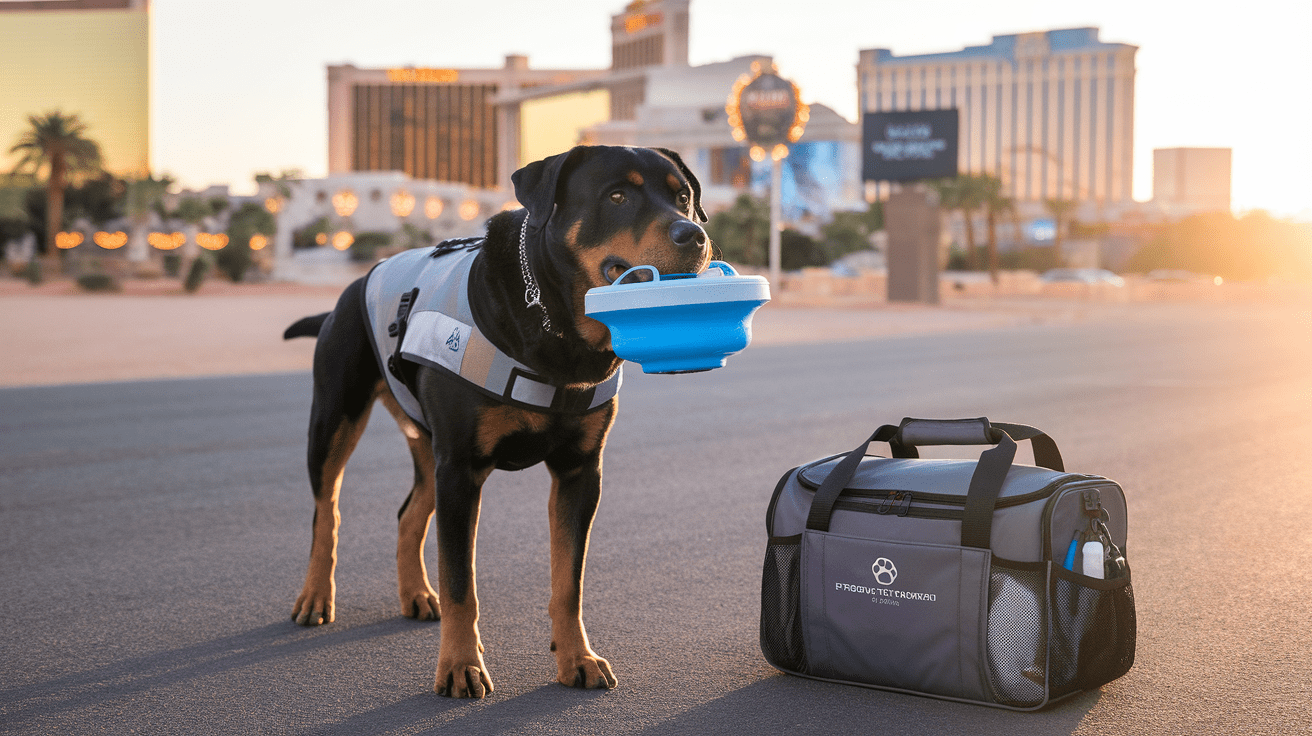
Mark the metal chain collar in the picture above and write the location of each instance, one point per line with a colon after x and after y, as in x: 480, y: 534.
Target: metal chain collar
x: 532, y: 294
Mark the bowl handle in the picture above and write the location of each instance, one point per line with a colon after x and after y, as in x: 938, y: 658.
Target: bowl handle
x: 725, y: 268
x: 656, y: 275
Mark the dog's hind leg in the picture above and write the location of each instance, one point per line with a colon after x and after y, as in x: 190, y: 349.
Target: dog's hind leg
x: 346, y: 382
x: 418, y: 599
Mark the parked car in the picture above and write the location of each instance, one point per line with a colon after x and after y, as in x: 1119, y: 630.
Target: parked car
x: 1081, y: 276
x: 1174, y: 275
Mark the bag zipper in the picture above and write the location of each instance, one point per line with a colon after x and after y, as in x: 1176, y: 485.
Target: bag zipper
x: 889, y: 494
x: 942, y: 498
x: 897, y: 503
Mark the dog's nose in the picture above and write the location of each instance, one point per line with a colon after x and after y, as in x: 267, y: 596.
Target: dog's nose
x: 686, y: 234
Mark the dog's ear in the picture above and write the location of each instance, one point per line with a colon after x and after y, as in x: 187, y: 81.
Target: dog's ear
x: 536, y: 183
x: 692, y: 181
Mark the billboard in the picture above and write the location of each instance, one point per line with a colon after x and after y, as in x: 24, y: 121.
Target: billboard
x: 911, y: 145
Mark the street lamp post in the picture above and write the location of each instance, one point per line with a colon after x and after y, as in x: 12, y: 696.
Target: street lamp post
x: 766, y: 111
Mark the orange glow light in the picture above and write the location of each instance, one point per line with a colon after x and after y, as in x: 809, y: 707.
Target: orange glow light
x: 403, y: 203
x: 211, y: 241
x: 345, y: 202
x: 433, y: 208
x: 64, y: 241
x: 110, y: 241
x: 343, y: 240
x: 468, y: 209
x: 166, y: 241
x: 258, y: 242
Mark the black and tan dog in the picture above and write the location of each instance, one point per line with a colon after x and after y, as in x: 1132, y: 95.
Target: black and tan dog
x: 589, y: 215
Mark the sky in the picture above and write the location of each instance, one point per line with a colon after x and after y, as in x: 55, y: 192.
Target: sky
x: 240, y: 86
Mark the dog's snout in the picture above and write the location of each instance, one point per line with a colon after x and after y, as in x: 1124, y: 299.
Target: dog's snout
x: 686, y: 234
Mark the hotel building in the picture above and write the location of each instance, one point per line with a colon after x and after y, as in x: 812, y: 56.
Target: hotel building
x: 85, y: 57
x: 1051, y: 113
x: 477, y: 126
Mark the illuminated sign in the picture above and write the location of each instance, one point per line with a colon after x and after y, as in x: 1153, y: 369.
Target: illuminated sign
x: 635, y: 23
x: 766, y: 111
x: 423, y: 74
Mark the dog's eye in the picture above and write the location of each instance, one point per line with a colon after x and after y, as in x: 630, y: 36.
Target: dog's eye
x: 683, y: 199
x: 618, y: 197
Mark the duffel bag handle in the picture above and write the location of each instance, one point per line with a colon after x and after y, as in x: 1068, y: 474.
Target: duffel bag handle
x: 985, y: 483
x: 912, y: 433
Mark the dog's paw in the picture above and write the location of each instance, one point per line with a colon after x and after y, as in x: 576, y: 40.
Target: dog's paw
x: 421, y: 604
x: 314, y: 607
x: 585, y: 670
x: 468, y: 680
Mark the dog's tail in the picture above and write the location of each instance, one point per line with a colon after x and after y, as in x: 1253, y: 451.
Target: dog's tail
x: 307, y: 327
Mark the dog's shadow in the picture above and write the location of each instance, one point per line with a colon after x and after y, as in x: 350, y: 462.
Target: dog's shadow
x: 122, y: 679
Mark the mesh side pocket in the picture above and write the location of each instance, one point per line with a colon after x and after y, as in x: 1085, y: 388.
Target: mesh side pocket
x: 1093, y: 631
x: 781, y: 623
x: 1017, y: 633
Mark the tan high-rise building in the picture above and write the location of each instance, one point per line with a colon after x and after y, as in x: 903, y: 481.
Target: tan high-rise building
x: 85, y: 57
x: 455, y: 125
x: 430, y: 123
x: 1050, y: 112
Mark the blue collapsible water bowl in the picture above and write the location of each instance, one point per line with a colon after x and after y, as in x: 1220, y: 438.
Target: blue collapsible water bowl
x: 679, y: 323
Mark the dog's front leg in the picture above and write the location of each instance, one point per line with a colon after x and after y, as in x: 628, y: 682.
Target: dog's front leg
x: 575, y: 492
x: 461, y: 672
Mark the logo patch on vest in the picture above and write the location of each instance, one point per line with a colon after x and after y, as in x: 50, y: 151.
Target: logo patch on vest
x: 436, y: 338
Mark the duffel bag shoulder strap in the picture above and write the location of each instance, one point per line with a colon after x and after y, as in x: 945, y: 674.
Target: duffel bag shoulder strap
x: 822, y: 506
x: 985, y: 484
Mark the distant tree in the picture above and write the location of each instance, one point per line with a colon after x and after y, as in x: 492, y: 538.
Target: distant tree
x: 307, y: 237
x: 798, y: 250
x: 965, y: 193
x: 849, y: 232
x: 192, y: 210
x: 56, y: 142
x: 99, y: 200
x: 144, y: 196
x: 741, y: 234
x: 246, y: 222
x: 995, y: 206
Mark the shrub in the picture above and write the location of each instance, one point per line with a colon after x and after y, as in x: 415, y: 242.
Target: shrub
x: 98, y: 282
x: 172, y: 265
x: 366, y: 245
x: 196, y: 274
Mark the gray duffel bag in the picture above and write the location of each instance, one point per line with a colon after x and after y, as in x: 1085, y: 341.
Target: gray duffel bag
x: 981, y: 581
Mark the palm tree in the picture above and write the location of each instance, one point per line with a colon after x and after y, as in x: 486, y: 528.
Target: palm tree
x: 143, y: 197
x: 995, y: 204
x: 966, y: 193
x: 56, y: 141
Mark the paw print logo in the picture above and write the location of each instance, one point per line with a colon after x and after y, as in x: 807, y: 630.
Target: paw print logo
x: 885, y: 571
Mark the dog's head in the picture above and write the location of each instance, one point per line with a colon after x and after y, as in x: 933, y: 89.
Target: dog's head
x: 605, y: 209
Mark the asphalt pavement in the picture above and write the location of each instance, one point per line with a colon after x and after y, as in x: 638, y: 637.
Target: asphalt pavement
x: 154, y: 535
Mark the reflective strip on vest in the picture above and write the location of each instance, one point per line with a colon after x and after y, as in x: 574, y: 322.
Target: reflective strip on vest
x: 441, y: 333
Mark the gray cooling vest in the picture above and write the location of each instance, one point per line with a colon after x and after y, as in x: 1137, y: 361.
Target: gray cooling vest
x: 440, y: 332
